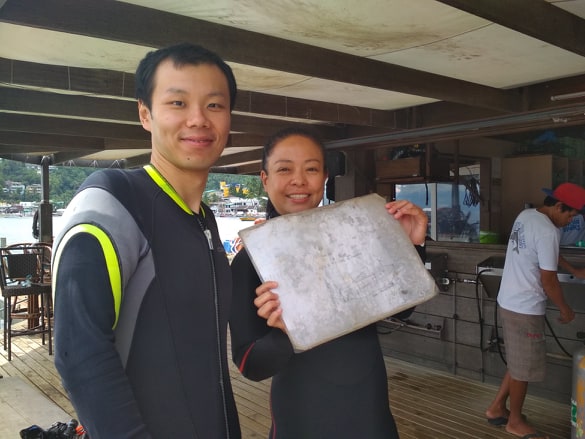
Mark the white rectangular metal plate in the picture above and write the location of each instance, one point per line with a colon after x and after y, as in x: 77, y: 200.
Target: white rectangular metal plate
x: 338, y: 267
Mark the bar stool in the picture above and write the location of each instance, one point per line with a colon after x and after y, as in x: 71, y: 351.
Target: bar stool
x: 26, y: 293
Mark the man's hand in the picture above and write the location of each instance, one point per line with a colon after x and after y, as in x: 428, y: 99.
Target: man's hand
x: 567, y: 315
x: 575, y: 271
x: 579, y: 272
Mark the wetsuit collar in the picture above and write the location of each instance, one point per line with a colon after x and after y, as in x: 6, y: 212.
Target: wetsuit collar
x: 162, y: 182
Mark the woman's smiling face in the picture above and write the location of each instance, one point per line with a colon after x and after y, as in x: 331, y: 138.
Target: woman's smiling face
x: 295, y: 174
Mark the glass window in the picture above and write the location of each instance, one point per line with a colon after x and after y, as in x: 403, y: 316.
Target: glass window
x: 453, y: 210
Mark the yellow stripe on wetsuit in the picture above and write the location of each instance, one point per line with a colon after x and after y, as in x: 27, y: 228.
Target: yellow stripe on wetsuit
x: 168, y: 189
x: 110, y: 256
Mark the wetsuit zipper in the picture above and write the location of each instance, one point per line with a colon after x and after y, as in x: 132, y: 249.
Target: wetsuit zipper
x: 209, y: 237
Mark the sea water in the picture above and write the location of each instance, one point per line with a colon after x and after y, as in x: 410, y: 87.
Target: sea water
x: 17, y: 229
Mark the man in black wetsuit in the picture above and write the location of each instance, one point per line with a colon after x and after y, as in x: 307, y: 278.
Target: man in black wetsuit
x: 141, y: 280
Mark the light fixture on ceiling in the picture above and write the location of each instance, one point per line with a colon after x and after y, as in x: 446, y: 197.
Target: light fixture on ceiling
x: 579, y: 94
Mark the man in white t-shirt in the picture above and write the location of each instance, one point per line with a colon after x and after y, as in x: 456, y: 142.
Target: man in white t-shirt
x: 529, y: 280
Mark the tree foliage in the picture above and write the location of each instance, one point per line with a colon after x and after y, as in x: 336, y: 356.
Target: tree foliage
x: 251, y: 183
x: 64, y: 181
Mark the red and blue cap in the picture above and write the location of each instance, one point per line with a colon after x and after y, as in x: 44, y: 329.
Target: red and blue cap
x: 570, y: 194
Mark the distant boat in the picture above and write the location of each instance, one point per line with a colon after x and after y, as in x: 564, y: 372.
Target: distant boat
x: 249, y: 218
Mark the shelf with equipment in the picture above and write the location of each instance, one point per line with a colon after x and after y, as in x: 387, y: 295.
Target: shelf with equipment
x: 415, y: 164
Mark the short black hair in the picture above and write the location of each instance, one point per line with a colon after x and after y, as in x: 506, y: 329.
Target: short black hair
x: 180, y: 54
x: 551, y: 201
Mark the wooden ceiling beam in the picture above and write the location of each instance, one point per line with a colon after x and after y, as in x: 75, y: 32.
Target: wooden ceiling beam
x: 55, y: 142
x: 15, y: 141
x: 22, y: 157
x: 68, y: 158
x: 70, y: 127
x: 494, y: 126
x: 544, y: 95
x: 137, y: 160
x: 536, y: 18
x: 114, y: 111
x: 240, y: 157
x: 266, y: 127
x: 19, y: 73
x: 121, y: 85
x: 123, y: 22
x: 248, y: 169
x: 283, y: 106
x: 7, y: 148
x: 244, y: 139
x: 74, y: 79
x: 82, y: 107
x: 110, y: 144
x: 235, y: 140
x: 142, y: 159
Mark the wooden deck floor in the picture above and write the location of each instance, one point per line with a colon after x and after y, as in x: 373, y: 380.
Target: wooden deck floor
x: 426, y: 404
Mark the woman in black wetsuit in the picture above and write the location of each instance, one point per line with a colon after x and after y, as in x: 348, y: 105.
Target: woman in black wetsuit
x: 338, y: 390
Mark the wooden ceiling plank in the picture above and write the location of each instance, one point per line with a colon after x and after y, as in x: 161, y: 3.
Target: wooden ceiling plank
x: 536, y: 18
x: 266, y: 126
x: 250, y: 168
x: 539, y: 95
x: 260, y: 103
x: 247, y: 169
x: 119, y: 84
x: 96, y: 81
x: 110, y: 143
x: 54, y: 141
x: 89, y: 107
x: 140, y: 138
x: 40, y: 75
x: 123, y: 22
x: 25, y: 158
x: 276, y: 105
x: 70, y: 127
x: 27, y: 149
x: 102, y: 81
x: 240, y: 157
x: 137, y: 161
x: 48, y: 104
x: 5, y: 70
x: 75, y: 79
x: 245, y: 139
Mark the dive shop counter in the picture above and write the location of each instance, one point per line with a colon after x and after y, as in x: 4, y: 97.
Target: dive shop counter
x: 458, y: 330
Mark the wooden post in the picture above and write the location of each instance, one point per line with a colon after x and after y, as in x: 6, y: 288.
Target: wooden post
x: 45, y: 208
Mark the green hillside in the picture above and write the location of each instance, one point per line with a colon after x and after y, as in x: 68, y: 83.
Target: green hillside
x: 21, y: 182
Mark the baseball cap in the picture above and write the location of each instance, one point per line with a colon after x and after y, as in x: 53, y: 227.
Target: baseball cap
x: 570, y: 194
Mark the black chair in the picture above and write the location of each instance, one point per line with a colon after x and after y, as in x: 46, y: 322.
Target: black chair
x: 26, y: 290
